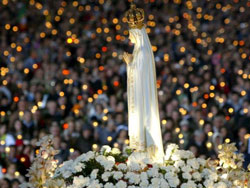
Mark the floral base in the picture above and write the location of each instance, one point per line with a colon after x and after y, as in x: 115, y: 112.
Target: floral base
x: 111, y: 168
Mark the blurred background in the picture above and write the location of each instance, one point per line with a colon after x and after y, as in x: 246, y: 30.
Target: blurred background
x: 61, y: 73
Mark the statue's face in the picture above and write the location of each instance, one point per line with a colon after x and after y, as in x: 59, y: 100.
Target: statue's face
x: 132, y: 38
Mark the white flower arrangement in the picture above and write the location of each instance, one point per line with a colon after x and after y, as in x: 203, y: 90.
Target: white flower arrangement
x: 111, y: 168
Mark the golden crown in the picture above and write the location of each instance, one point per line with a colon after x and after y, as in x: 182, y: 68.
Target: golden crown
x: 135, y: 17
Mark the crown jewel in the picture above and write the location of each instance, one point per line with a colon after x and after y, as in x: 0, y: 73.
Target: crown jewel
x: 135, y: 17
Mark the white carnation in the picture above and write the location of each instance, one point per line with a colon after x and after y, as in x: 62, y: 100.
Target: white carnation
x: 105, y: 149
x: 197, y: 176
x: 115, y: 151
x: 179, y: 163
x: 170, y: 149
x: 106, y: 175
x: 117, y: 175
x: 193, y: 163
x: 95, y: 184
x: 186, y: 168
x: 121, y: 184
x: 153, y: 172
x: 79, y: 182
x: 122, y: 167
x: 94, y: 173
x: 109, y: 185
x: 155, y: 182
x: 133, y: 166
x: 220, y: 185
x: 164, y: 183
x: 186, y: 176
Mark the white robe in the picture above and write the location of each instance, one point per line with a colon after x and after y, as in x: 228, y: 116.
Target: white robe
x: 143, y: 119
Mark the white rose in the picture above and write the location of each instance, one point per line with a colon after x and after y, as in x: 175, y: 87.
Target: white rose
x: 133, y: 166
x: 109, y: 185
x: 197, y: 176
x: 80, y: 181
x: 208, y: 183
x: 164, y: 183
x: 109, y: 165
x: 100, y: 159
x: 66, y: 174
x: 121, y: 184
x: 201, y: 161
x: 155, y: 181
x: 115, y: 151
x: 79, y: 167
x: 144, y: 183
x: 122, y: 167
x: 105, y: 149
x: 186, y: 175
x: 186, y: 168
x: 220, y: 185
x: 93, y: 174
x: 89, y: 155
x: 95, y: 184
x: 153, y: 172
x: 173, y: 181
x: 193, y: 163
x: 105, y: 176
x: 144, y: 176
x: 178, y: 163
x: 117, y: 175
x: 111, y: 158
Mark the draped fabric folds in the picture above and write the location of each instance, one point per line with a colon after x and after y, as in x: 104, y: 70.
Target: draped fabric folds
x: 143, y: 120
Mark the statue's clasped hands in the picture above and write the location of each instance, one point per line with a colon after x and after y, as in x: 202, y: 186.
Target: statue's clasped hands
x: 127, y: 57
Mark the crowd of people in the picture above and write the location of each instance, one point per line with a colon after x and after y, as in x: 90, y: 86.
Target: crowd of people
x: 61, y: 73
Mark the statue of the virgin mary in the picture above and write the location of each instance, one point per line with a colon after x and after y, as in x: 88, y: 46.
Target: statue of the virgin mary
x: 143, y: 113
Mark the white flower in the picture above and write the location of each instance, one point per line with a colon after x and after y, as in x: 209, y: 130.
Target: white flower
x: 122, y: 167
x: 117, y: 175
x: 79, y: 167
x: 153, y: 172
x: 179, y: 163
x: 186, y: 176
x: 196, y: 176
x: 193, y: 163
x: 95, y: 184
x: 94, y: 173
x: 132, y: 178
x: 170, y: 149
x: 189, y: 184
x: 208, y: 183
x: 80, y: 181
x: 133, y: 166
x: 100, y: 159
x: 109, y: 185
x: 144, y: 183
x: 115, y: 151
x: 144, y: 176
x: 109, y: 165
x: 66, y: 174
x: 111, y: 158
x: 220, y: 185
x: 105, y: 149
x: 89, y: 155
x: 106, y: 175
x: 201, y: 161
x: 121, y: 184
x: 164, y: 183
x: 186, y: 168
x: 155, y: 182
x: 172, y: 180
